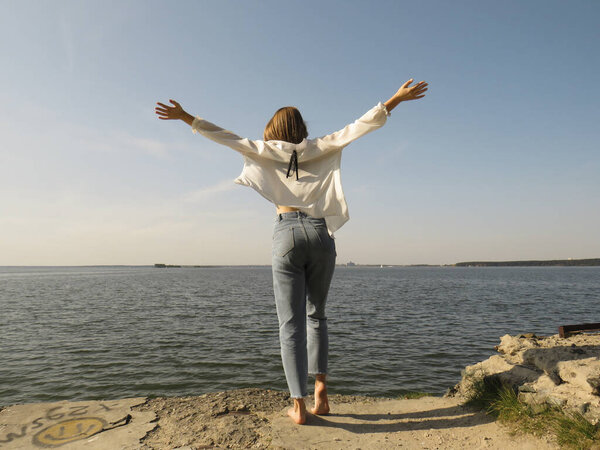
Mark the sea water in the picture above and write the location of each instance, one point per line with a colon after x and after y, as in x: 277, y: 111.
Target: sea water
x: 112, y: 332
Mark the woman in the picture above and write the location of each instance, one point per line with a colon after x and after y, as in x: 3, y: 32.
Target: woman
x: 302, y: 178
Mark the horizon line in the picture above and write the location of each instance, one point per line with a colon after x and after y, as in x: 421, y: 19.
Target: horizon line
x: 348, y: 264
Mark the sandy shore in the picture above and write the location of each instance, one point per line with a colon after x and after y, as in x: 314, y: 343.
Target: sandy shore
x: 255, y: 418
x: 252, y: 418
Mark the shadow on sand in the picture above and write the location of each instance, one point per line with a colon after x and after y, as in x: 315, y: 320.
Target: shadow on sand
x: 441, y: 418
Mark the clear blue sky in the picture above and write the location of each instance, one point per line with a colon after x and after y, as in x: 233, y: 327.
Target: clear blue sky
x: 500, y: 161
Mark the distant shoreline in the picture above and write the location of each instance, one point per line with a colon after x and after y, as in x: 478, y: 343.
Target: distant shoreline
x: 590, y: 262
x: 533, y: 263
x: 529, y: 263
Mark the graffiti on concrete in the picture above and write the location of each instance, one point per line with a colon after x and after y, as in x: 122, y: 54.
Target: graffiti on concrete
x: 63, y: 424
x: 68, y: 431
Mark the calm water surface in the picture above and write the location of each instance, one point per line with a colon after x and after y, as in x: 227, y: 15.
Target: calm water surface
x: 111, y: 332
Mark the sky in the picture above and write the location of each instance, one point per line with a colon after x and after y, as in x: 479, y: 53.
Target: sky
x: 500, y: 161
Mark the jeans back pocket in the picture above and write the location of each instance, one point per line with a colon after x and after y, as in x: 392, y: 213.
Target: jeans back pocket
x: 283, y: 241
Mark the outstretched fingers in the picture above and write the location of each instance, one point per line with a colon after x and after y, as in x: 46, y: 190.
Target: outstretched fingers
x: 405, y: 85
x: 419, y: 89
x: 162, y: 108
x: 162, y: 113
x: 167, y: 112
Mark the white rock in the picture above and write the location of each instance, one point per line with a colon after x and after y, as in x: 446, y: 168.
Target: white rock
x: 564, y: 372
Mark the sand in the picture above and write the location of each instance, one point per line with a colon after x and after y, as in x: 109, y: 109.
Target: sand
x: 255, y: 418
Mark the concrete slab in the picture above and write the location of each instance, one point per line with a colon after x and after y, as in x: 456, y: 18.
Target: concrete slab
x: 93, y: 424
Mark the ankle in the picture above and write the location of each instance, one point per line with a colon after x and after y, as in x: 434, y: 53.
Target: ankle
x: 299, y: 404
x: 298, y: 412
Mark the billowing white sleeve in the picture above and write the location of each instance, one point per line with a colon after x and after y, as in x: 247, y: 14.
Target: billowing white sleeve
x: 372, y: 120
x: 225, y: 137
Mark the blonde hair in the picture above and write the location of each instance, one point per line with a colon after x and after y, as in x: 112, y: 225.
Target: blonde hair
x: 286, y: 125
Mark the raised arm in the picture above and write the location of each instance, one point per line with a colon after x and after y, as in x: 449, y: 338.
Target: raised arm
x: 373, y: 119
x: 370, y: 121
x: 405, y: 93
x: 208, y: 129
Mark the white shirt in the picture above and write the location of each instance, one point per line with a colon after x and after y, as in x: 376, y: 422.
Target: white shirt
x: 318, y: 190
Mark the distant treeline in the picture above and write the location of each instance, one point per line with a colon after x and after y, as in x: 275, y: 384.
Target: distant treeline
x: 555, y: 262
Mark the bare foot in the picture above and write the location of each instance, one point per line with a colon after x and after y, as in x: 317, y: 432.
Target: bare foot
x: 298, y: 412
x: 321, y: 403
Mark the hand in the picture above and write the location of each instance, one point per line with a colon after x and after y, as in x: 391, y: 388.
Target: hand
x: 407, y: 92
x: 170, y: 112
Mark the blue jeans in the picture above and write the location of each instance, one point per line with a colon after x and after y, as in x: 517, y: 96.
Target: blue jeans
x: 303, y: 265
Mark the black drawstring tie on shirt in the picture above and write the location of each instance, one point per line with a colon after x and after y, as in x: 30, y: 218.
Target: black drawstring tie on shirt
x: 293, y: 165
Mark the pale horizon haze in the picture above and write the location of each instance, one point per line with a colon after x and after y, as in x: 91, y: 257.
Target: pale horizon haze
x: 500, y: 161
